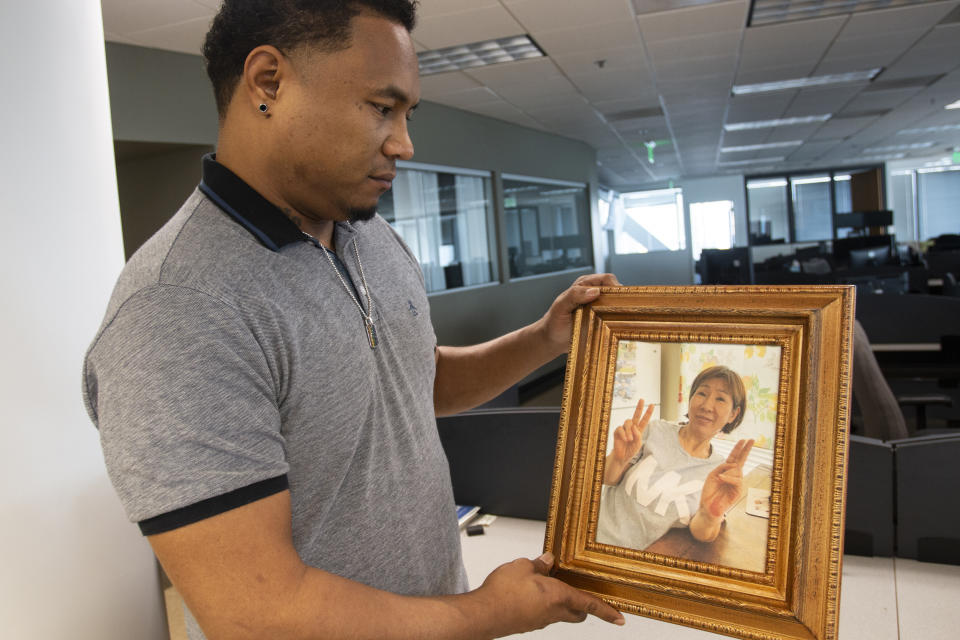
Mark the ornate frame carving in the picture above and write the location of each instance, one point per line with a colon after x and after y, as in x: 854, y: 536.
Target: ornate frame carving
x: 797, y: 594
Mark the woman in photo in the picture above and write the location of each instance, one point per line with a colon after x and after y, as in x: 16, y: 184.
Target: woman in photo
x: 661, y: 475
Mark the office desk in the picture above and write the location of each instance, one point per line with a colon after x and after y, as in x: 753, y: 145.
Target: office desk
x: 741, y: 543
x: 881, y: 598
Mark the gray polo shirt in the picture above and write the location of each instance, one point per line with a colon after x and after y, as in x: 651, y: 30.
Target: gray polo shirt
x: 232, y: 364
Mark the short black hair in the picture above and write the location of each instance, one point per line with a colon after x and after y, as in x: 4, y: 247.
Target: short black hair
x: 242, y: 25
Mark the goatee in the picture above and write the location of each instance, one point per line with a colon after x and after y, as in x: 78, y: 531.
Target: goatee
x: 361, y: 215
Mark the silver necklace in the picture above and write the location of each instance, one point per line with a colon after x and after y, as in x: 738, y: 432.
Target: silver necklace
x: 366, y: 315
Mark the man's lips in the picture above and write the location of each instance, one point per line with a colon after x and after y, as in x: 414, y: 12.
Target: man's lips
x: 385, y: 179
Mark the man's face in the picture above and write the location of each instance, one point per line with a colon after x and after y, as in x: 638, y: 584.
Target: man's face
x: 343, y: 122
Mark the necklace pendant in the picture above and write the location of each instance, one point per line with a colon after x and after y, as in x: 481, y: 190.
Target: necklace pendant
x: 371, y: 333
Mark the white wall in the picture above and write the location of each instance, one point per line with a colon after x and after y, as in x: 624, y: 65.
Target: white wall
x: 719, y: 188
x: 72, y: 566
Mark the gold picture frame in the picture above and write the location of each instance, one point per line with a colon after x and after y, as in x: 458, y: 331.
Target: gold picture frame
x: 783, y: 582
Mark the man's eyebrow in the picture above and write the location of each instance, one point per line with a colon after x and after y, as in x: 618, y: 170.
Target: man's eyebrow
x: 395, y: 93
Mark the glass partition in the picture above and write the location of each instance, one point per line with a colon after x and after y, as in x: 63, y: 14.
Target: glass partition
x: 547, y: 226
x: 446, y: 218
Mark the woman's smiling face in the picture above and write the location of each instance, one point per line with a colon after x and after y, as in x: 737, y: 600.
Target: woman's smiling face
x: 711, y: 408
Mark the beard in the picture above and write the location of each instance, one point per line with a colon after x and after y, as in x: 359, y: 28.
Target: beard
x: 361, y: 215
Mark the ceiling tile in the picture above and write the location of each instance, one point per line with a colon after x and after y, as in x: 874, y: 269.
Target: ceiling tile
x: 521, y: 72
x: 475, y: 25
x: 759, y: 107
x: 724, y: 43
x: 694, y: 21
x: 594, y: 37
x: 440, y: 83
x: 584, y: 62
x: 742, y: 138
x: 185, y: 37
x: 786, y: 44
x: 690, y: 68
x: 895, y: 20
x: 770, y: 74
x: 431, y: 8
x: 881, y: 99
x: 123, y: 17
x: 841, y: 128
x: 811, y: 102
x: 550, y: 15
x: 466, y: 99
x: 613, y: 84
x: 886, y: 46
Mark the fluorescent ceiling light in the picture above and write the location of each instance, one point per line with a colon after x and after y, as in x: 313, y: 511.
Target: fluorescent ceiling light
x: 880, y: 158
x: 754, y: 161
x: 478, y: 54
x: 766, y: 184
x: 804, y: 83
x: 953, y: 105
x: 760, y: 147
x: 816, y: 180
x: 899, y: 147
x: 937, y: 129
x: 778, y: 122
x: 841, y: 178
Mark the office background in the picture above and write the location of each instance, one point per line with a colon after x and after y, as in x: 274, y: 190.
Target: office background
x: 80, y: 149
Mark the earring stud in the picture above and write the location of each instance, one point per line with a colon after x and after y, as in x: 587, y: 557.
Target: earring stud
x: 263, y: 108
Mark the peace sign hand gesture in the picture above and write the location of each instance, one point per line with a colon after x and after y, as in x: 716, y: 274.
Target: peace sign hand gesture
x: 627, y: 442
x: 721, y: 489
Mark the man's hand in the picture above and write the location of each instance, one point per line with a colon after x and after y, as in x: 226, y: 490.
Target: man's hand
x: 627, y: 441
x: 558, y: 321
x: 522, y: 597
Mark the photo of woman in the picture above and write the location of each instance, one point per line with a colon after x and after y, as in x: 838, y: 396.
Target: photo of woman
x: 670, y: 484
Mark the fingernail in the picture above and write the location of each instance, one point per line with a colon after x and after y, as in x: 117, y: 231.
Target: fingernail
x: 593, y: 291
x: 620, y: 621
x: 546, y: 558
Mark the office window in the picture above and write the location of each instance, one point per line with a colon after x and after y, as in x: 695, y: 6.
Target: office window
x: 805, y: 207
x: 446, y: 218
x: 769, y: 211
x: 938, y: 192
x: 547, y: 226
x: 650, y: 221
x: 812, y: 208
x: 712, y: 226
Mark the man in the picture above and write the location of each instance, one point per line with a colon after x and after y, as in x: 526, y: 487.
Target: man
x: 264, y: 396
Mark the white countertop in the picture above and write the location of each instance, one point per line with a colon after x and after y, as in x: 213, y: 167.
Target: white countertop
x: 880, y: 598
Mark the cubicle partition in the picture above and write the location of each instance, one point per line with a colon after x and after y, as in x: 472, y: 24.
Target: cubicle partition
x: 901, y: 494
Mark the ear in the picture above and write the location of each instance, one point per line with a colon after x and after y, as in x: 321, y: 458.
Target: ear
x: 263, y: 71
x: 736, y: 414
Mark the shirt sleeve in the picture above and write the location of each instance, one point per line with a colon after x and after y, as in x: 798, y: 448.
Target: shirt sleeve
x: 186, y: 404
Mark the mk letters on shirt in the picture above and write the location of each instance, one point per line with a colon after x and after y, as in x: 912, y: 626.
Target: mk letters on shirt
x: 646, y: 484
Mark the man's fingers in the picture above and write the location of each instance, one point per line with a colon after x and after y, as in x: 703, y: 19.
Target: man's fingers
x: 585, y: 604
x: 598, y: 280
x: 544, y: 563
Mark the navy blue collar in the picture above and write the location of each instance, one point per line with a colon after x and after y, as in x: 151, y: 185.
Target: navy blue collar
x: 265, y: 221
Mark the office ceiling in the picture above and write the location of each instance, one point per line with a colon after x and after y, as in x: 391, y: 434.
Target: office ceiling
x: 620, y: 74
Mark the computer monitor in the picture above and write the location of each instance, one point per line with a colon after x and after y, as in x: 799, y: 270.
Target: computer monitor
x: 726, y: 266
x: 869, y: 257
x: 842, y: 247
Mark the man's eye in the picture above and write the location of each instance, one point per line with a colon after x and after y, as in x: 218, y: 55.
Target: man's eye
x: 382, y: 109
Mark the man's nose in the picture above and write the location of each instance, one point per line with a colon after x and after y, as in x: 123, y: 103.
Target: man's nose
x: 398, y: 145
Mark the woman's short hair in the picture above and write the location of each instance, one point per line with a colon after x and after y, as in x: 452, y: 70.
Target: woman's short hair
x: 734, y: 384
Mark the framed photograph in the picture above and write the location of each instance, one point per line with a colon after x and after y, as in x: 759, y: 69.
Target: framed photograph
x: 701, y: 460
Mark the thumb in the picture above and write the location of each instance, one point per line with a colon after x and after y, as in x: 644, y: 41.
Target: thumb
x: 544, y: 563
